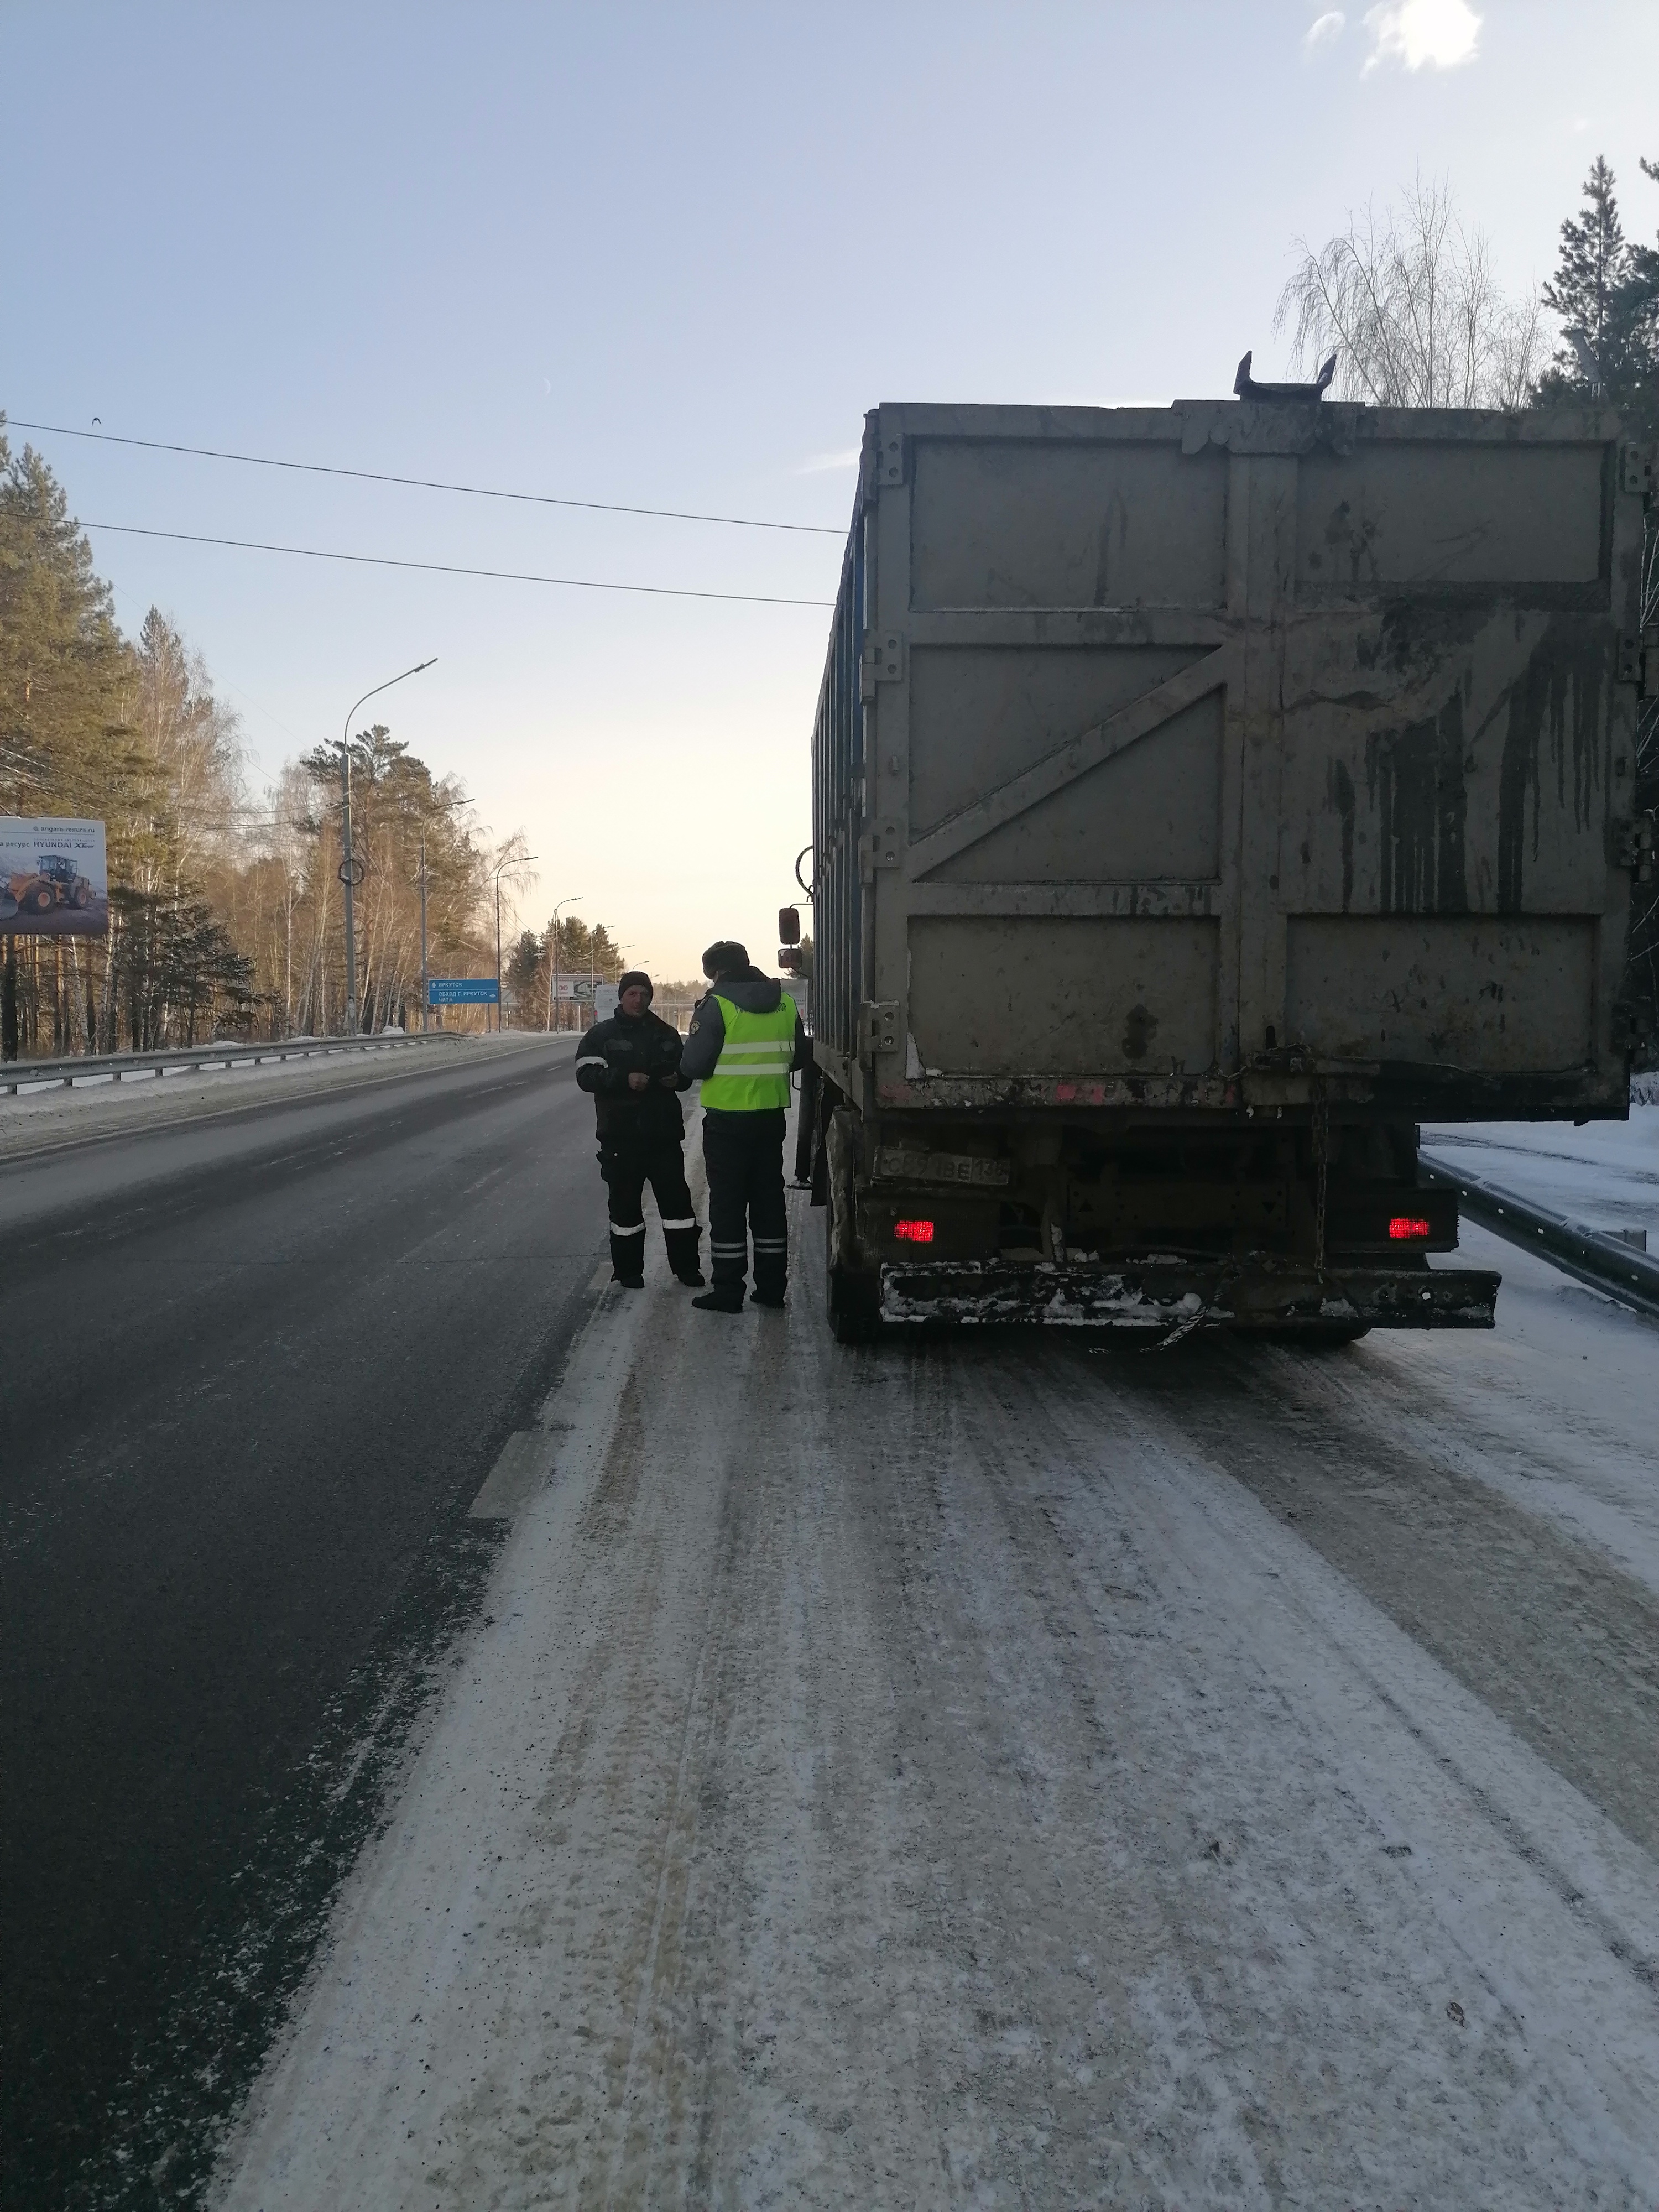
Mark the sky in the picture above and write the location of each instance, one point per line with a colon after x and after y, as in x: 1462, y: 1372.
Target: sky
x: 668, y: 257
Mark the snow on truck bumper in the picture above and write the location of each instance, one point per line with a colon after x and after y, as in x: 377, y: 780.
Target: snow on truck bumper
x: 1165, y: 1295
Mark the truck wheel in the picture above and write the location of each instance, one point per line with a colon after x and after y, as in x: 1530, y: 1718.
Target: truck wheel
x: 854, y: 1303
x: 852, y: 1300
x: 41, y: 900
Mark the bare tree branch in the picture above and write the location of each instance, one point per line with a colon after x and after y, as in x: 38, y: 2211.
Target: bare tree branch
x: 1409, y: 304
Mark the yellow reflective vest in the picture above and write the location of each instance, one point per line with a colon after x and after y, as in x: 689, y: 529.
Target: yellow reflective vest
x: 752, y: 1072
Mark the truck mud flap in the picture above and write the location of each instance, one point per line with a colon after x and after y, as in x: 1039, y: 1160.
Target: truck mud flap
x: 1158, y: 1297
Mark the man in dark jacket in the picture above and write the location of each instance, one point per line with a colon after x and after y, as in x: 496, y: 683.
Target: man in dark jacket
x: 745, y: 1039
x: 631, y: 1065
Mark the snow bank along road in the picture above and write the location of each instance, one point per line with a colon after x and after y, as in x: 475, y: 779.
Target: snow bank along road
x: 253, y: 1367
x: 1000, y: 1772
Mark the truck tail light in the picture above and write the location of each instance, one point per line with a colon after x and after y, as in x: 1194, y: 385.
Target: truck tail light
x: 1405, y: 1228
x: 914, y: 1232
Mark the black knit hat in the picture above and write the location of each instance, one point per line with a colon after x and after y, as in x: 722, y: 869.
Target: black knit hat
x: 724, y: 958
x: 636, y: 975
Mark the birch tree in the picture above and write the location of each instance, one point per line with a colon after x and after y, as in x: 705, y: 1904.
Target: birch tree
x: 1407, y: 301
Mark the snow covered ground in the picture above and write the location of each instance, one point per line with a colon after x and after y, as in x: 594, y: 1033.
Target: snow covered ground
x: 1003, y: 1771
x: 1605, y: 1174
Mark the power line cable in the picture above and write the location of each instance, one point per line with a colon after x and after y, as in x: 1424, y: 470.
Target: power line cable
x: 450, y: 569
x: 427, y: 483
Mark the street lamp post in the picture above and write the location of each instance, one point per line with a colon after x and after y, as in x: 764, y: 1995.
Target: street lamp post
x: 425, y: 994
x: 516, y: 860
x: 553, y: 1005
x: 349, y: 874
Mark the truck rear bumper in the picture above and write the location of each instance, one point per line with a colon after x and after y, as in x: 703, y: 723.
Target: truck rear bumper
x: 1161, y: 1295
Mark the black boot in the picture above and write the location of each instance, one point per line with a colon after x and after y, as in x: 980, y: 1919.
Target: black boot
x: 683, y: 1256
x: 724, y: 1298
x: 627, y: 1259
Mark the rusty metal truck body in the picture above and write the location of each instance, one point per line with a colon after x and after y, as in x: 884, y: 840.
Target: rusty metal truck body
x: 1204, y: 796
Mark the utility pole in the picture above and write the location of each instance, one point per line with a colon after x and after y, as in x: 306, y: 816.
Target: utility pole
x: 554, y: 1005
x: 349, y: 875
x: 423, y: 973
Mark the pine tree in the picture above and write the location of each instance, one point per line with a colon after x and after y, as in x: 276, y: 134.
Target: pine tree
x: 65, y: 671
x: 65, y: 677
x: 1603, y: 294
x: 524, y: 977
x: 1643, y: 307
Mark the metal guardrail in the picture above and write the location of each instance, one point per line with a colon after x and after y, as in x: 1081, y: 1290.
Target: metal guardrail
x: 14, y: 1074
x: 1606, y: 1264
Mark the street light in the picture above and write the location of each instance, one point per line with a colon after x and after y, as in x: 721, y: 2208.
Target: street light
x: 553, y: 974
x: 349, y: 874
x: 514, y: 861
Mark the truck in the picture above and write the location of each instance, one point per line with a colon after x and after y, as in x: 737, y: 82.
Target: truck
x: 1202, y: 798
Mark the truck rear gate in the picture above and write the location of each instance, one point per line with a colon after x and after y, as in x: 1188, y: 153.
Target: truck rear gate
x: 1201, y: 796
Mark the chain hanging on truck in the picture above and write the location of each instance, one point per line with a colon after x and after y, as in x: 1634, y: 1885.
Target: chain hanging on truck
x: 1322, y: 1154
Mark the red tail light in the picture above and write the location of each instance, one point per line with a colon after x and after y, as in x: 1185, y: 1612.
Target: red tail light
x: 914, y: 1232
x: 1403, y: 1227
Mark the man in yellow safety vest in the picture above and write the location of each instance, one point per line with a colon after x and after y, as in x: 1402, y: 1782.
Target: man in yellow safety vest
x: 747, y: 1036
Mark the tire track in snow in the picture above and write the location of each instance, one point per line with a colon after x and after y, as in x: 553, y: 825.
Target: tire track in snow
x: 1539, y: 1624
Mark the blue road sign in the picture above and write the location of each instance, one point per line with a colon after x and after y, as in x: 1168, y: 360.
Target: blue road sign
x: 463, y: 991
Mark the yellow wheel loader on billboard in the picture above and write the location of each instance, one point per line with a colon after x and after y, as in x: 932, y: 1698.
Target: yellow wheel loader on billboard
x: 54, y: 877
x: 55, y: 881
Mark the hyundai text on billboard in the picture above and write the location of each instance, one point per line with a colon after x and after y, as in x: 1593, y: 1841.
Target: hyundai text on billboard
x: 54, y: 878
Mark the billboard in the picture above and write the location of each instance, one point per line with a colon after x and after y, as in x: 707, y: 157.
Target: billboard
x: 463, y: 991
x: 54, y: 878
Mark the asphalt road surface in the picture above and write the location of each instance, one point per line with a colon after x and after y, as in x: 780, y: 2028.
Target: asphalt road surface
x: 499, y: 1741
x: 255, y: 1366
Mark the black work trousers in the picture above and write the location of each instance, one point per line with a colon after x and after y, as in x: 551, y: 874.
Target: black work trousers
x: 628, y: 1163
x: 744, y: 1154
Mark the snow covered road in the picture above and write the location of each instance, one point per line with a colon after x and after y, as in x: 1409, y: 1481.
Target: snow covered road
x: 1000, y: 1772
